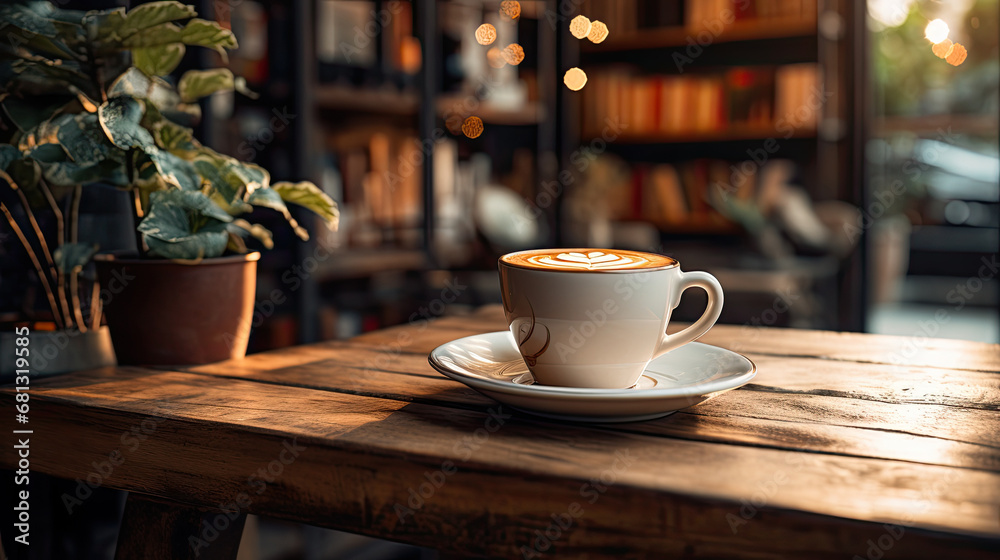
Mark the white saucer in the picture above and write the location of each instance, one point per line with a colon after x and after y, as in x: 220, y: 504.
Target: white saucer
x: 691, y: 374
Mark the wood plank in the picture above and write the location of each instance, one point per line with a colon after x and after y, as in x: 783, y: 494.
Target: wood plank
x: 917, y: 350
x: 155, y: 529
x: 216, y: 433
x: 931, y: 434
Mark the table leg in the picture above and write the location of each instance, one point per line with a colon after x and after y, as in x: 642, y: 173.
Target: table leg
x: 154, y: 529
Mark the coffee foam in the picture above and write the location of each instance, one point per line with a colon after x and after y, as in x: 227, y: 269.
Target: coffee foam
x: 587, y: 260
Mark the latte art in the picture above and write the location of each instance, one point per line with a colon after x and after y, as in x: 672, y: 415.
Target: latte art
x: 587, y: 260
x: 593, y: 260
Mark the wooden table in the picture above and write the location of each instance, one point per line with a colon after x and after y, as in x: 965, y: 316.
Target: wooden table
x: 845, y: 445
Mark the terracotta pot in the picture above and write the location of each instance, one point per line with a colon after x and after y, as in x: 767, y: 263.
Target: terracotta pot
x: 163, y: 312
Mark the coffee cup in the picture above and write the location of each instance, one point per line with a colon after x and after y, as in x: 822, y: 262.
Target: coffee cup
x: 596, y: 317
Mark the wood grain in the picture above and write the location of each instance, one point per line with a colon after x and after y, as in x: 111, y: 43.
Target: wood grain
x: 812, y: 460
x: 155, y: 529
x: 916, y: 350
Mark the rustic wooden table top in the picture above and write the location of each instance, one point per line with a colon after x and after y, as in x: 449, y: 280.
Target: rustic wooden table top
x: 844, y: 445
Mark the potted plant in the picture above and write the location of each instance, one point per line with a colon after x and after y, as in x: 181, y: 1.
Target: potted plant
x: 88, y: 95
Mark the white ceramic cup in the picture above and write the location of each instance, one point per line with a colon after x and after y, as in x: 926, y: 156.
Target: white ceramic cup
x: 587, y: 322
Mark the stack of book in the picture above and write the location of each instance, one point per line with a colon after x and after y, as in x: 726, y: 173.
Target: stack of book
x: 625, y: 16
x: 687, y: 196
x: 745, y: 101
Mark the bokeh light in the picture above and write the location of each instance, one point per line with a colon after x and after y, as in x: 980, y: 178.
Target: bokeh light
x: 889, y: 13
x: 472, y: 127
x: 598, y: 32
x: 942, y: 48
x: 575, y: 79
x: 510, y: 9
x: 486, y: 34
x: 512, y: 54
x: 580, y: 26
x: 957, y: 54
x: 937, y: 31
x: 495, y: 58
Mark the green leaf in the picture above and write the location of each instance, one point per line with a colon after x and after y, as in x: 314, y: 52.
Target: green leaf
x: 195, y: 84
x: 268, y: 198
x: 103, y: 25
x: 49, y: 77
x: 310, y: 196
x: 80, y: 135
x: 209, y: 34
x: 23, y: 17
x: 204, y: 244
x: 159, y: 60
x: 175, y: 138
x: 32, y: 26
x: 70, y: 257
x: 197, y: 32
x: 8, y: 154
x: 168, y: 228
x: 66, y: 173
x: 29, y: 113
x: 133, y: 82
x: 174, y: 170
x: 120, y: 118
x: 49, y: 153
x: 230, y: 179
x: 242, y: 227
x: 162, y: 34
x: 152, y: 14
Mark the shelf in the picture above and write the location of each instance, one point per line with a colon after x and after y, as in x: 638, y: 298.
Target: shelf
x: 530, y: 113
x: 345, y: 98
x: 976, y: 125
x: 708, y: 226
x: 386, y: 101
x: 667, y: 37
x: 736, y: 133
x: 362, y: 263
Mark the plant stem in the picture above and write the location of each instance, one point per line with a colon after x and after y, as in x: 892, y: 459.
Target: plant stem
x: 60, y: 235
x: 95, y: 306
x: 38, y: 265
x: 74, y: 294
x: 60, y: 312
x: 137, y: 216
x: 74, y: 213
x: 137, y: 213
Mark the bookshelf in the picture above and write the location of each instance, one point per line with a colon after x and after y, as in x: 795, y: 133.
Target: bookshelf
x: 369, y: 82
x: 358, y: 118
x: 712, y: 83
x: 677, y: 36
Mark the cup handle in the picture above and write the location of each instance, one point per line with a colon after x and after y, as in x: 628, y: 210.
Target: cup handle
x: 711, y: 286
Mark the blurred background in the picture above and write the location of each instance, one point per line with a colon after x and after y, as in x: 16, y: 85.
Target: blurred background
x: 817, y: 157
